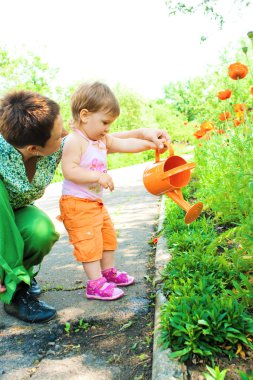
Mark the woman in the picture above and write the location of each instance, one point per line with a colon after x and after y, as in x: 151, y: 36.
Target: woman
x: 31, y: 144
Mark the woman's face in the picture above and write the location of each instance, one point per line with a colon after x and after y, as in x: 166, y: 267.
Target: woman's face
x: 54, y: 142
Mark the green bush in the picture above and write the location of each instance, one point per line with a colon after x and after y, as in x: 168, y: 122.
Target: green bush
x: 204, y: 325
x: 208, y: 295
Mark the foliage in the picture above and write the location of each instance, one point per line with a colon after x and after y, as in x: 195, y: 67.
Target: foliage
x: 205, y: 325
x: 28, y: 72
x: 215, y: 373
x: 208, y: 282
x: 245, y: 376
x: 227, y: 150
x: 197, y: 98
x: 203, y: 316
x: 209, y: 8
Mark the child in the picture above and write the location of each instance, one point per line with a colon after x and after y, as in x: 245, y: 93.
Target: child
x: 94, y: 108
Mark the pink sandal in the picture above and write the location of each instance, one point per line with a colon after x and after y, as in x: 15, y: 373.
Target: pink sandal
x: 100, y: 289
x: 119, y: 278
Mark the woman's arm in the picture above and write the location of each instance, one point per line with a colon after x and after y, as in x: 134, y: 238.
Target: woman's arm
x: 157, y: 136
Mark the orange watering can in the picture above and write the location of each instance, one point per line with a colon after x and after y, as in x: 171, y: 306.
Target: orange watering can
x: 168, y: 177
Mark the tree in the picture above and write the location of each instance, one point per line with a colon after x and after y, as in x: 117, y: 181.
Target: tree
x: 27, y: 72
x: 210, y: 8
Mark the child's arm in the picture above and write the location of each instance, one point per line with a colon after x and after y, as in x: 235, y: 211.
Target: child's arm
x: 130, y: 145
x: 73, y: 150
x: 157, y: 136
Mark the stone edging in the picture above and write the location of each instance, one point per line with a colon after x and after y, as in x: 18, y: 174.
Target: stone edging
x: 163, y: 368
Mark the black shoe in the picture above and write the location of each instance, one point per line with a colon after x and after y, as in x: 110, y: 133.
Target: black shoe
x: 34, y: 289
x: 27, y: 308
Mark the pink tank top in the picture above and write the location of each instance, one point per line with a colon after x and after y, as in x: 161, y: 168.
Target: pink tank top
x: 93, y: 159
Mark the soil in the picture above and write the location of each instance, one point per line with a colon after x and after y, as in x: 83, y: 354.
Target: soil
x: 126, y: 347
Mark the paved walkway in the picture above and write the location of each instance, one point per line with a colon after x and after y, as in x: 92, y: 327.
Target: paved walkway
x: 134, y: 212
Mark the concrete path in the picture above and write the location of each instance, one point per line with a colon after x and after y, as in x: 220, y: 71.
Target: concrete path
x: 134, y: 212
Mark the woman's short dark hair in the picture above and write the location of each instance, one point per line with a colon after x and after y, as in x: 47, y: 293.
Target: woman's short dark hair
x: 27, y: 118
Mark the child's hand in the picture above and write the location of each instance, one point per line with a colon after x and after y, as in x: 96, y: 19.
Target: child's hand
x: 106, y: 181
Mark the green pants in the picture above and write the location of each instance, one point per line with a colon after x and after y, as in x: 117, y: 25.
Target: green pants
x: 26, y: 236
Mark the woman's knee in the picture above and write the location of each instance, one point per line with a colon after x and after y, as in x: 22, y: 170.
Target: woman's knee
x: 42, y: 232
x: 37, y: 229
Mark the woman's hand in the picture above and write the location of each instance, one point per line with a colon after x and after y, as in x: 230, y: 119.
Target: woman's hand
x: 157, y: 136
x: 2, y: 288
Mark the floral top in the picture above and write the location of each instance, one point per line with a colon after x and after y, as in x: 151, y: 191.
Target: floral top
x: 12, y: 173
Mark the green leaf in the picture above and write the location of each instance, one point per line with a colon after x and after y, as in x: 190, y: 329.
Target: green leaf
x: 177, y: 354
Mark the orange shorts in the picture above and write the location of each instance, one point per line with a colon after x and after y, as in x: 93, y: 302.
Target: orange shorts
x: 89, y: 226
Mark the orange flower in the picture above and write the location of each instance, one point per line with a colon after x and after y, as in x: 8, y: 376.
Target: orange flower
x: 236, y: 122
x: 224, y: 116
x: 240, y: 107
x: 251, y: 90
x: 222, y: 95
x: 200, y: 133
x: 237, y: 71
x: 185, y: 122
x: 206, y: 126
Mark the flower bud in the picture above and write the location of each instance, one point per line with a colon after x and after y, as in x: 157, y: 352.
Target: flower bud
x: 250, y: 35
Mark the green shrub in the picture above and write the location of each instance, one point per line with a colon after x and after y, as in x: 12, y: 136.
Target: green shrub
x: 204, y: 325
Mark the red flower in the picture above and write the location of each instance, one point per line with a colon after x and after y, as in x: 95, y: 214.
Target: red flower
x: 200, y: 133
x: 224, y: 116
x: 237, y: 71
x: 251, y: 90
x: 155, y: 240
x: 222, y: 95
x: 236, y: 122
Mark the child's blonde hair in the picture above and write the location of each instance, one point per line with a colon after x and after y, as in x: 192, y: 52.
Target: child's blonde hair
x: 94, y: 97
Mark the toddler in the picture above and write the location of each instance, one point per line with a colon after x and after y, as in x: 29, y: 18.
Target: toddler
x: 94, y: 108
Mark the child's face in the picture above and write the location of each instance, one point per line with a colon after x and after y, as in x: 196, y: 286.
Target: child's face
x: 98, y: 124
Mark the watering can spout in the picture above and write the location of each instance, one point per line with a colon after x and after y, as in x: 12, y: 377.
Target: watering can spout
x: 192, y: 212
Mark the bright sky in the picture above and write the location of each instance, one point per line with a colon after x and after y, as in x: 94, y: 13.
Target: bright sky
x: 133, y: 42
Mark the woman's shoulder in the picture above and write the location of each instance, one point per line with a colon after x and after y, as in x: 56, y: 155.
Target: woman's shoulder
x: 5, y: 147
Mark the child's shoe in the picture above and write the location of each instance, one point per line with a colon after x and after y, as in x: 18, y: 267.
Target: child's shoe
x: 100, y: 289
x: 119, y: 278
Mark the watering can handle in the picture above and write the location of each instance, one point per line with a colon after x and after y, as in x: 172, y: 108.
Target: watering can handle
x: 170, y: 149
x: 178, y: 169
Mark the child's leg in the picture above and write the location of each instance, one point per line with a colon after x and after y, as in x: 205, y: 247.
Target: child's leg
x: 97, y: 286
x: 83, y: 221
x: 108, y: 260
x: 92, y: 270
